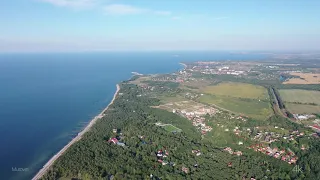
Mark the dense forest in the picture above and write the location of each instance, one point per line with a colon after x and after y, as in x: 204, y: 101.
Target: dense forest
x: 131, y: 115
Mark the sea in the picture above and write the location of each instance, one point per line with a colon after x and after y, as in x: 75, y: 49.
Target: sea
x: 47, y: 98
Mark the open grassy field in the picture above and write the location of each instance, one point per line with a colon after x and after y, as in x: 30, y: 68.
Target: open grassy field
x: 302, y: 108
x: 252, y: 108
x: 141, y: 80
x: 305, y: 78
x: 241, y: 90
x: 220, y: 137
x: 302, y: 96
x: 196, y: 84
x: 181, y: 105
x: 168, y: 99
x: 171, y: 128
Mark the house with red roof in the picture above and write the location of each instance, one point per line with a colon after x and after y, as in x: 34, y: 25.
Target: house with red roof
x: 316, y: 127
x: 113, y: 140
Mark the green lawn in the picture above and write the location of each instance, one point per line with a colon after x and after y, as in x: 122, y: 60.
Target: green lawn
x: 241, y: 90
x: 252, y: 108
x: 302, y: 96
x: 170, y: 99
x: 220, y: 137
x: 171, y: 128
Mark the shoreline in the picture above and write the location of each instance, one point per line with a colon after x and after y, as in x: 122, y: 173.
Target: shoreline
x: 51, y: 161
x: 184, y: 65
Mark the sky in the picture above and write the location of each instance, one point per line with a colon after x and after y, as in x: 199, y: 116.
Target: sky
x: 144, y: 25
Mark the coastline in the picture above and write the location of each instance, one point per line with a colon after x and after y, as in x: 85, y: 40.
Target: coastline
x: 51, y: 161
x: 184, y: 65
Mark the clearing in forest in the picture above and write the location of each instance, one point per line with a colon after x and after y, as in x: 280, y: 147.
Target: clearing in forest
x: 172, y: 128
x: 239, y: 90
x: 169, y: 127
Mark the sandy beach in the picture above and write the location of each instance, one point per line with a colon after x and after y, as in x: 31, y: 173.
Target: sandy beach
x: 77, y: 138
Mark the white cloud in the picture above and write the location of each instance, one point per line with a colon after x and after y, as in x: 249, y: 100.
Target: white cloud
x: 72, y: 3
x: 110, y: 9
x: 121, y: 9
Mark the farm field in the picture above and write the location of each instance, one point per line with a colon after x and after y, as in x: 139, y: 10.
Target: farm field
x: 305, y: 78
x: 302, y: 108
x: 302, y: 96
x: 252, y: 108
x: 241, y: 90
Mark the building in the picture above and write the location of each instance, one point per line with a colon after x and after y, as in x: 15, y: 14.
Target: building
x: 184, y: 169
x: 113, y: 140
x: 238, y: 153
x: 120, y: 144
x: 316, y: 127
x: 301, y: 117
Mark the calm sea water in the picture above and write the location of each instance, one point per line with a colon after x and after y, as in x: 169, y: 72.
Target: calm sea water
x: 45, y: 99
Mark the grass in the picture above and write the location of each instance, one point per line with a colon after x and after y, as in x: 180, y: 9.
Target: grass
x: 171, y: 128
x: 302, y: 96
x: 170, y: 99
x: 177, y: 121
x: 252, y: 108
x: 180, y: 105
x: 241, y: 90
x: 140, y: 80
x: 220, y: 137
x: 302, y: 108
x: 196, y: 85
x: 177, y: 102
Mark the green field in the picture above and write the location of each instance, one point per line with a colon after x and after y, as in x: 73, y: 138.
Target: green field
x: 301, y: 96
x: 180, y: 105
x: 169, y: 99
x: 302, y: 108
x: 241, y: 90
x: 220, y: 137
x: 252, y: 108
x: 171, y: 128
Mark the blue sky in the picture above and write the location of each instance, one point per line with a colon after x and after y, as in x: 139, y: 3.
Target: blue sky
x: 112, y: 25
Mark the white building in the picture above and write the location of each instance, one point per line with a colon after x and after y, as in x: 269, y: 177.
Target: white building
x: 301, y: 117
